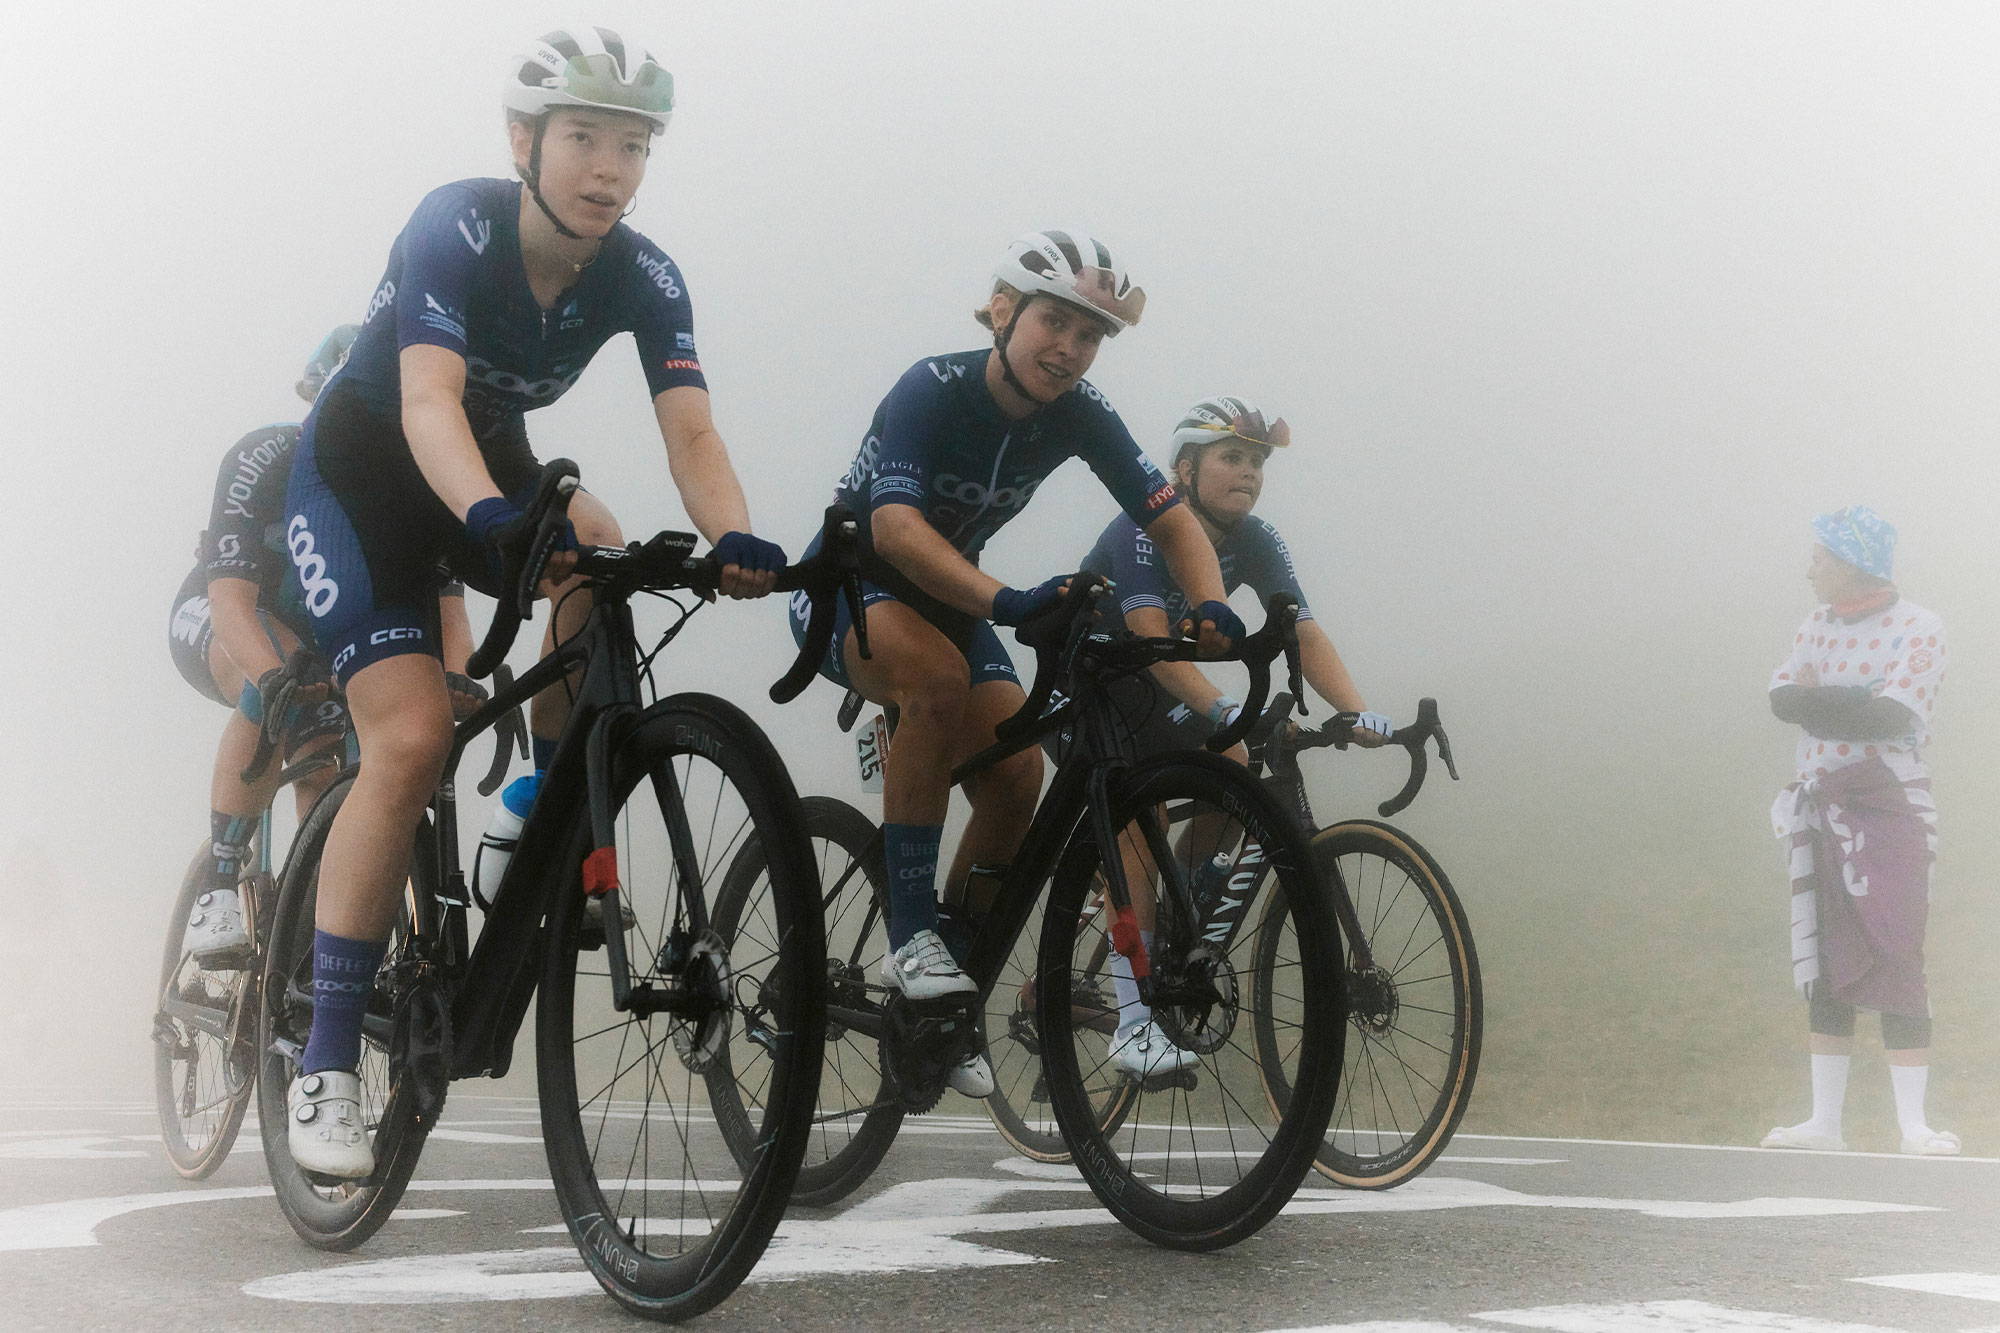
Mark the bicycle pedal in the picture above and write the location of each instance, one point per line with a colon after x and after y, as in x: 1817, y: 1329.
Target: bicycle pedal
x: 235, y: 958
x: 1183, y: 1080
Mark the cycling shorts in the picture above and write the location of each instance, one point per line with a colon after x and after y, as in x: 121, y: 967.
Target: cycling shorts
x: 367, y: 534
x: 191, y: 632
x: 985, y: 656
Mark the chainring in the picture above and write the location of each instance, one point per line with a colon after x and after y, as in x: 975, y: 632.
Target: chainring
x: 922, y: 1042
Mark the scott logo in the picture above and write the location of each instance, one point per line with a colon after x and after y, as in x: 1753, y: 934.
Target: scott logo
x: 321, y: 591
x: 661, y: 272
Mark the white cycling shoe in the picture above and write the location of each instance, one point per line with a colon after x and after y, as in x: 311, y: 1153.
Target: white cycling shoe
x: 973, y: 1076
x: 323, y: 1125
x: 923, y: 969
x: 215, y: 927
x: 1143, y: 1051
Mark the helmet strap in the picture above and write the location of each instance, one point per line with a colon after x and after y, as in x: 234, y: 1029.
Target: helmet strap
x: 533, y: 177
x: 1000, y: 342
x: 1194, y: 494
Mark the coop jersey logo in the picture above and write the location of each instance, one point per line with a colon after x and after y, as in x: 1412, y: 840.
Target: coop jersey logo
x: 321, y: 592
x: 953, y: 487
x: 542, y: 391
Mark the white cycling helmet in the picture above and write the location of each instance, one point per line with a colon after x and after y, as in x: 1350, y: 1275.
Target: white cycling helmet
x: 1228, y: 417
x: 1076, y: 268
x: 593, y: 67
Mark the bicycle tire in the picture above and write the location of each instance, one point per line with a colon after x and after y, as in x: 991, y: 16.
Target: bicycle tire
x: 1413, y: 1039
x: 203, y: 1076
x: 1019, y: 1105
x: 746, y: 1046
x: 857, y: 1117
x: 1229, y: 1179
x: 331, y: 1216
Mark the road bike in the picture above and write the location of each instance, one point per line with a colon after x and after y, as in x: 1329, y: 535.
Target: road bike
x: 1198, y: 1159
x: 676, y: 1074
x: 205, y: 1019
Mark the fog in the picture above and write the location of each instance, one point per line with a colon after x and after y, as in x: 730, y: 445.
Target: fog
x: 1579, y: 312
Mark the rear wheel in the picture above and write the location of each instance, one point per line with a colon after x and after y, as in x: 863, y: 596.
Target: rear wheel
x: 1020, y: 1105
x: 336, y: 1215
x: 1413, y: 1010
x: 675, y: 1126
x: 857, y: 1116
x: 1201, y: 1159
x: 204, y: 1043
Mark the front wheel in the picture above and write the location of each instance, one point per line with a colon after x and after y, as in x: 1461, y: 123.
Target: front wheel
x: 646, y: 1109
x: 337, y: 1215
x: 1200, y: 1159
x: 204, y: 1042
x: 1413, y: 1007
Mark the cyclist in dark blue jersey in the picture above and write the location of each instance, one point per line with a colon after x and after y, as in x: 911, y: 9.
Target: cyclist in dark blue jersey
x: 496, y: 295
x: 235, y: 619
x: 1222, y: 444
x: 955, y: 451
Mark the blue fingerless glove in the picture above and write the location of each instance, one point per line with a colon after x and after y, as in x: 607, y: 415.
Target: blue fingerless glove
x: 487, y: 520
x: 1013, y: 606
x: 1227, y: 624
x: 752, y: 555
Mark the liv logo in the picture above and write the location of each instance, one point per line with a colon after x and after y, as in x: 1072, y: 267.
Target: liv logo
x: 478, y: 234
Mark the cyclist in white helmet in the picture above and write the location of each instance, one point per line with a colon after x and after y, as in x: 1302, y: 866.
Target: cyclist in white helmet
x: 1221, y: 446
x: 496, y: 295
x: 954, y: 452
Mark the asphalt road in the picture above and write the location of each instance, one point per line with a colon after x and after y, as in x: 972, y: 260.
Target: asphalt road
x: 96, y: 1232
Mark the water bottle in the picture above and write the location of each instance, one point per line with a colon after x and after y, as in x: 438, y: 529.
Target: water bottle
x: 1211, y: 877
x: 496, y: 845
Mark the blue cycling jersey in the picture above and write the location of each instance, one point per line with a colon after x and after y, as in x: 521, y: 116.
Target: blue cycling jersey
x: 456, y: 280
x: 1252, y: 552
x: 941, y: 444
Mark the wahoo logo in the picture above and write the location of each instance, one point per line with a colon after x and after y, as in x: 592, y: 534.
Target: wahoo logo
x: 478, y: 234
x: 321, y: 592
x: 661, y: 271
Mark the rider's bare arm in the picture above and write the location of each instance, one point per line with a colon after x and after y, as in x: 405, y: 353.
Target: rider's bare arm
x: 1191, y: 562
x: 710, y: 492
x: 1320, y: 663
x: 434, y: 422
x: 232, y: 609
x: 906, y: 539
x: 1183, y: 680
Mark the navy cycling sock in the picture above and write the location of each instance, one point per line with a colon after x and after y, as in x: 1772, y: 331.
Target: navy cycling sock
x: 910, y: 852
x: 543, y: 751
x: 229, y: 841
x: 343, y: 978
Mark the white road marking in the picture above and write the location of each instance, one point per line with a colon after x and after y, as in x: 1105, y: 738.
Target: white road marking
x: 1669, y: 1317
x: 1505, y: 1161
x: 1970, y: 1286
x: 424, y: 1214
x: 67, y: 1149
x: 1773, y: 1153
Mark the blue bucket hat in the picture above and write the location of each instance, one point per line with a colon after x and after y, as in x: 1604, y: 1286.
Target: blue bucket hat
x: 1861, y: 537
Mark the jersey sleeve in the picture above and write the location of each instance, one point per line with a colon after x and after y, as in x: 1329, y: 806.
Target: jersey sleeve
x: 1912, y: 678
x: 1135, y: 482
x: 249, y: 495
x: 1125, y: 555
x: 662, y: 319
x: 1795, y: 669
x: 442, y: 248
x: 1271, y: 568
x: 912, y: 418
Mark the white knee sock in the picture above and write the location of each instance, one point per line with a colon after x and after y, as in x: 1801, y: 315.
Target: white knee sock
x: 1131, y: 1009
x: 1829, y: 1088
x: 1909, y: 1082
